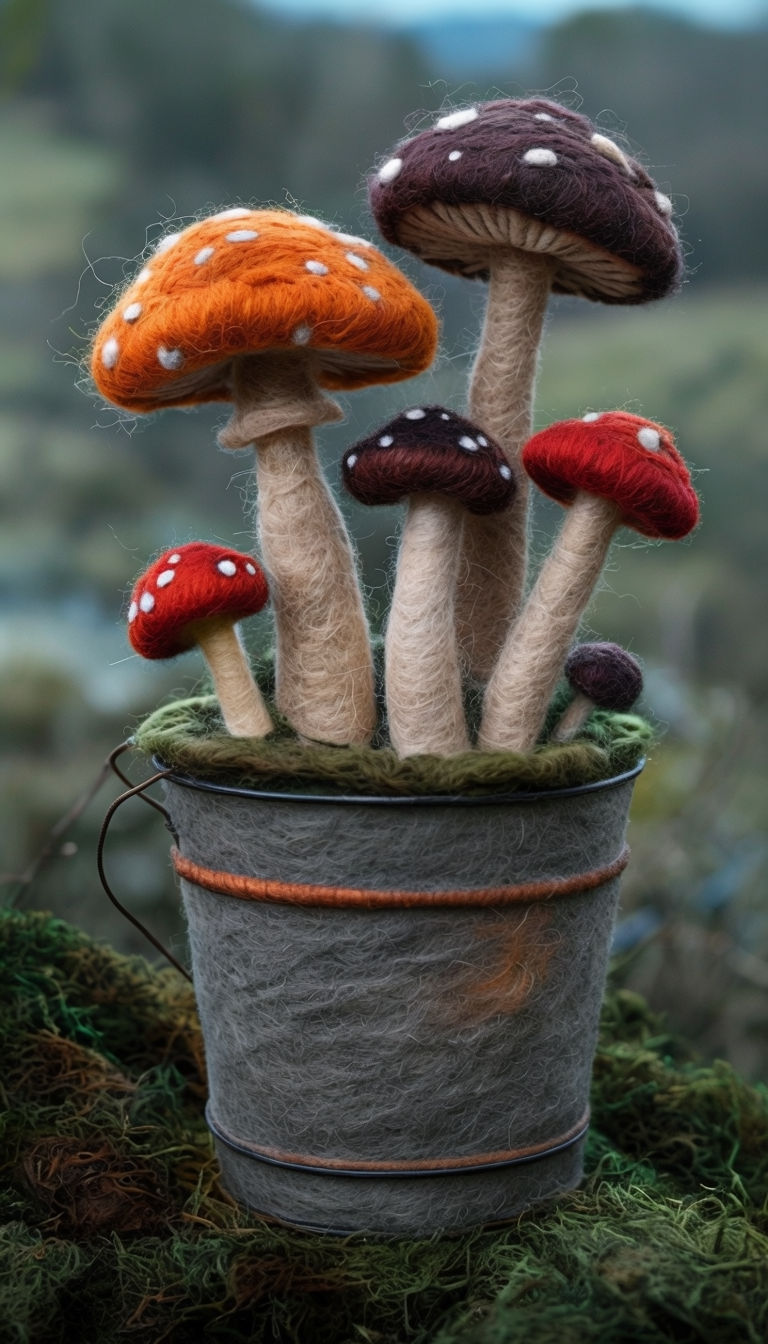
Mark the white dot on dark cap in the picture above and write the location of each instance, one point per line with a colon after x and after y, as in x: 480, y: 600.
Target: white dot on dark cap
x: 453, y: 120
x: 167, y: 576
x: 610, y: 150
x: 227, y: 567
x: 506, y: 472
x: 649, y: 438
x: 351, y: 460
x: 542, y: 116
x: 454, y: 155
x: 663, y: 203
x: 415, y: 414
x: 386, y: 441
x: 469, y: 444
x: 540, y: 158
x: 390, y: 170
x: 146, y: 602
x: 481, y: 439
x: 444, y: 415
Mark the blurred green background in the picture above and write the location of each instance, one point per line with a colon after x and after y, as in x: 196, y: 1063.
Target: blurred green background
x: 121, y: 117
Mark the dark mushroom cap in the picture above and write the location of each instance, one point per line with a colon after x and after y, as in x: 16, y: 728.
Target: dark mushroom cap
x: 606, y: 674
x: 429, y: 450
x: 533, y: 175
x: 187, y: 586
x: 245, y: 281
x: 621, y: 457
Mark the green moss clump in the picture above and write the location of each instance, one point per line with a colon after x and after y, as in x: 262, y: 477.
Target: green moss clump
x: 114, y: 1225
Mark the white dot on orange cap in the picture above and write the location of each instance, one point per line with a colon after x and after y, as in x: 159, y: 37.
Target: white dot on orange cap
x: 132, y: 312
x: 165, y: 578
x: 204, y: 255
x: 353, y: 238
x: 146, y: 602
x: 371, y: 293
x: 359, y: 262
x: 235, y: 212
x: 165, y: 243
x: 109, y: 353
x: 170, y: 359
x: 649, y: 438
x: 302, y: 335
x: 390, y: 170
x: 143, y: 276
x: 453, y: 120
x: 316, y: 267
x: 314, y: 221
x: 242, y: 236
x: 227, y: 567
x: 540, y: 158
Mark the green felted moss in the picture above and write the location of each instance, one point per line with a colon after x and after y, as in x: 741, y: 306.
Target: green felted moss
x: 114, y: 1226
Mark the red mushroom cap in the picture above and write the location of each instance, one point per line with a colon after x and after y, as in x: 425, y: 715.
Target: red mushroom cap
x: 194, y: 583
x: 621, y: 457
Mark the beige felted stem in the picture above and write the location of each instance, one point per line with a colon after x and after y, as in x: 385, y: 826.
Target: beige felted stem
x: 272, y: 391
x: 531, y: 660
x: 422, y: 674
x: 573, y: 718
x: 242, y: 707
x: 493, y: 570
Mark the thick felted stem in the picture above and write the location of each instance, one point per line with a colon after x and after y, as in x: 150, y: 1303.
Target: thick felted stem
x: 573, y: 718
x: 422, y: 673
x: 493, y: 569
x: 531, y: 661
x: 324, y: 666
x: 242, y: 707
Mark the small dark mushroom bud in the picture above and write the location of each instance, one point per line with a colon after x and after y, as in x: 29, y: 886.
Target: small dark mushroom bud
x: 603, y: 676
x: 445, y: 466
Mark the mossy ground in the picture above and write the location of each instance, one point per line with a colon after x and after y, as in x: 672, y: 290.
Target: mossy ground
x: 114, y: 1226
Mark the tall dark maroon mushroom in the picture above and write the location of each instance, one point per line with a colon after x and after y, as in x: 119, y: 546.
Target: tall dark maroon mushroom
x: 445, y: 466
x: 532, y: 197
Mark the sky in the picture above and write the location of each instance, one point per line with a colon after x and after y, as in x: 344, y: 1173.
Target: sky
x: 726, y: 13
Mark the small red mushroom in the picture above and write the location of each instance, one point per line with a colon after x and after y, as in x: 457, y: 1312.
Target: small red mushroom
x: 610, y: 470
x: 196, y: 594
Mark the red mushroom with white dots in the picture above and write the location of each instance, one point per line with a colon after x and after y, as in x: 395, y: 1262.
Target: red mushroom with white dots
x: 195, y: 595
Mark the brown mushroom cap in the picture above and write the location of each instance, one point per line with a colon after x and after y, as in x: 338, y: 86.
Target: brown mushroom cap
x: 530, y: 174
x: 606, y: 674
x: 194, y: 583
x: 429, y: 450
x: 245, y: 281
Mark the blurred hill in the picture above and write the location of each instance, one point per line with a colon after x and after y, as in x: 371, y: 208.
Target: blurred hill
x: 121, y: 117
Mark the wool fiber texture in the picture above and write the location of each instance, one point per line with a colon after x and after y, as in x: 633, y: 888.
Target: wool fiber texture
x: 394, y: 1035
x: 228, y: 286
x: 486, y: 174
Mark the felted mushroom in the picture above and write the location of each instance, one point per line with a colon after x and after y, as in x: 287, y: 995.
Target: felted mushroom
x: 530, y: 196
x: 195, y: 595
x: 601, y: 675
x: 445, y: 467
x: 612, y: 469
x: 266, y: 309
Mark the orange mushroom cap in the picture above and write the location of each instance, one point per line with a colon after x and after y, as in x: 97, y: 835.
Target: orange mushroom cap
x: 244, y: 281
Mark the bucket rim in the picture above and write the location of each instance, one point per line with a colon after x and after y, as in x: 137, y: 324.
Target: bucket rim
x: 398, y: 800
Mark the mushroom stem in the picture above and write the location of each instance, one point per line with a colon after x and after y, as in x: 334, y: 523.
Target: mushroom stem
x: 242, y: 707
x: 422, y: 674
x: 493, y: 570
x: 531, y: 660
x: 572, y: 718
x: 324, y: 666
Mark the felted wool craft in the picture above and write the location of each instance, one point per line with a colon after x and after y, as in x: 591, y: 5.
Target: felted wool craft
x: 444, y: 466
x: 599, y: 674
x: 265, y: 308
x: 196, y: 594
x: 609, y: 469
x: 529, y: 195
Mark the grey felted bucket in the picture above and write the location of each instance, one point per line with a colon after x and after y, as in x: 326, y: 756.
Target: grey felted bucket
x: 399, y: 996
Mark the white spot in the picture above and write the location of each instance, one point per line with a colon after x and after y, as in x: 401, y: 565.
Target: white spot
x: 165, y: 578
x: 133, y: 612
x: 236, y: 212
x: 505, y: 471
x: 302, y: 335
x: 316, y: 267
x: 204, y: 255
x: 386, y: 441
x: 590, y: 417
x: 165, y: 243
x: 352, y: 238
x: 453, y: 120
x: 663, y: 203
x: 132, y: 312
x: 359, y: 262
x: 227, y: 567
x: 649, y: 438
x: 250, y: 569
x: 371, y: 293
x: 540, y: 158
x: 146, y: 602
x: 390, y: 170
x: 170, y: 359
x: 173, y: 559
x: 314, y: 221
x: 109, y: 353
x: 454, y: 155
x: 542, y: 116
x: 143, y: 276
x: 466, y: 442
x: 610, y: 150
x: 242, y: 236
x: 351, y: 460
x: 444, y: 415
x: 481, y: 439
x: 415, y: 414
